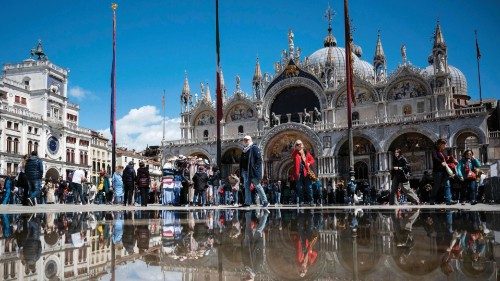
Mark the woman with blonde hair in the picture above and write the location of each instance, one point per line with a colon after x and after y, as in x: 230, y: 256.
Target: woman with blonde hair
x: 302, y: 171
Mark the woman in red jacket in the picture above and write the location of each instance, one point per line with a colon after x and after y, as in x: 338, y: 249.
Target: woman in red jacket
x: 303, y: 161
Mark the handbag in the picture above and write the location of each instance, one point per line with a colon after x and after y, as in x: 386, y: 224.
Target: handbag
x: 471, y: 175
x: 311, y: 175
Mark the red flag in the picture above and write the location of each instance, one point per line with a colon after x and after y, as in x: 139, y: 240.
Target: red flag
x: 478, y: 53
x: 219, y: 90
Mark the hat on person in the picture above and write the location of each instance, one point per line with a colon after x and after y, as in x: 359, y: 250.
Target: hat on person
x: 247, y: 137
x: 131, y: 163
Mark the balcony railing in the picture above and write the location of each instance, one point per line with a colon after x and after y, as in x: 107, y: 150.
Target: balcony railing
x: 20, y: 111
x: 495, y: 135
x: 418, y: 117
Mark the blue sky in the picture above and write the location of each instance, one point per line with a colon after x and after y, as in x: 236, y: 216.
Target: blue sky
x: 158, y: 40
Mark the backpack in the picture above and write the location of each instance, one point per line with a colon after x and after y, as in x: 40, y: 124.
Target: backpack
x: 143, y: 180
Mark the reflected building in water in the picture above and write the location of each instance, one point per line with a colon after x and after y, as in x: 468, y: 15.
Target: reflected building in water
x: 252, y: 245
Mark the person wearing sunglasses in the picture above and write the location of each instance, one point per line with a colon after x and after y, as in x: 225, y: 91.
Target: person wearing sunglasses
x: 303, y: 161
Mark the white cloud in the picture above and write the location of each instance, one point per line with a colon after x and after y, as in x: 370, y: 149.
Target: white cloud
x: 139, y: 270
x: 78, y: 93
x: 143, y: 126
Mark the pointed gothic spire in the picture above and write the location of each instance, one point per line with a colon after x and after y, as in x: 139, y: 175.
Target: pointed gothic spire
x: 379, y: 60
x: 438, y: 37
x: 330, y: 40
x: 379, y: 51
x: 186, y: 91
x: 208, y: 96
x: 257, y: 76
x: 222, y: 85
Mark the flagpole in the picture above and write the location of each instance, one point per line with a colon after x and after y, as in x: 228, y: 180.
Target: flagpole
x: 350, y: 86
x: 219, y: 90
x: 478, y: 57
x: 114, y: 6
x: 163, y: 108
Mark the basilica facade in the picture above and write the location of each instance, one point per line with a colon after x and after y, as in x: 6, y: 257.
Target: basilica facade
x: 409, y: 108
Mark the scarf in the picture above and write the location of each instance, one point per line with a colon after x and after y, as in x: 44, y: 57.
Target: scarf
x: 246, y: 148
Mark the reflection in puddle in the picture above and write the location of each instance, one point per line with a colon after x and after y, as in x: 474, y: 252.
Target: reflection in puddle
x: 250, y: 245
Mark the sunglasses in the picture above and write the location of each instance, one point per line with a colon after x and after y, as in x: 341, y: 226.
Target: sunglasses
x: 298, y: 144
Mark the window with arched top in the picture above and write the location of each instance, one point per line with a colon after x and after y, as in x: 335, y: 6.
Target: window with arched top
x: 9, y: 144
x: 407, y: 110
x: 205, y: 135
x: 35, y: 146
x: 16, y: 145
x: 240, y: 129
x: 30, y: 147
x: 355, y: 116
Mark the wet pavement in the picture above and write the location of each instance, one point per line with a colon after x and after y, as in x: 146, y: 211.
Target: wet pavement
x: 372, y: 243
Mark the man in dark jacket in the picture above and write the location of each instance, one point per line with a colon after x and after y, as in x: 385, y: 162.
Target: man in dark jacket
x: 129, y: 178
x: 34, y: 173
x: 400, y: 178
x: 200, y: 182
x: 143, y: 182
x: 251, y: 171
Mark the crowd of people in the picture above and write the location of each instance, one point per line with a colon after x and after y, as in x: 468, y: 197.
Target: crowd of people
x: 188, y: 184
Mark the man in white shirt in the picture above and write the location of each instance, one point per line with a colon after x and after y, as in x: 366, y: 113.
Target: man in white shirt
x: 76, y: 185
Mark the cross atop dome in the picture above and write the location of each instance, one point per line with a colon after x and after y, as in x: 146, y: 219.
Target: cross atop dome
x: 330, y: 40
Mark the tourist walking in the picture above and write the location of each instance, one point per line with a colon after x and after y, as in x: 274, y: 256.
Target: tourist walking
x: 467, y: 171
x: 442, y: 173
x: 200, y: 182
x: 251, y: 171
x: 143, y: 182
x: 118, y: 188
x: 401, y: 179
x: 301, y: 173
x: 34, y: 174
x: 129, y: 178
x: 77, y: 179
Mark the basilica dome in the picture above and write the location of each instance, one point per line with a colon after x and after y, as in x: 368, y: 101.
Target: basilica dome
x: 362, y: 68
x: 458, y: 81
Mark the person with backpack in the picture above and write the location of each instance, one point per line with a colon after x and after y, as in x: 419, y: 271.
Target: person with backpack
x: 129, y: 178
x: 401, y: 179
x: 143, y: 182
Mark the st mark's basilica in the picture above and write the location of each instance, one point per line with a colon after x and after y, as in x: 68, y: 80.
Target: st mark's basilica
x: 409, y: 108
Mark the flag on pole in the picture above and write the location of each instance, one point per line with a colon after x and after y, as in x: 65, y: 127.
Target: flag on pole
x: 478, y: 52
x: 218, y: 90
x: 113, y: 93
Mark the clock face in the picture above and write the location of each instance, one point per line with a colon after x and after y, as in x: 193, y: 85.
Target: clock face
x: 53, y: 145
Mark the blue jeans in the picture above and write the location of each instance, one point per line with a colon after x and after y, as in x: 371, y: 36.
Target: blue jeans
x: 472, y: 186
x: 200, y: 195
x: 35, y: 188
x: 119, y: 199
x: 304, y: 182
x: 177, y: 195
x: 248, y: 193
x: 277, y: 197
x: 441, y: 179
x: 78, y: 193
x: 168, y: 196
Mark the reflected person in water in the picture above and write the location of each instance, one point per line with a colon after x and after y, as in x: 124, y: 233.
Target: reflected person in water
x: 253, y: 241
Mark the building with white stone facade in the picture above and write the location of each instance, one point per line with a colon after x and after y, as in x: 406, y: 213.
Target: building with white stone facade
x: 101, y: 155
x: 35, y: 114
x: 305, y: 99
x: 125, y: 156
